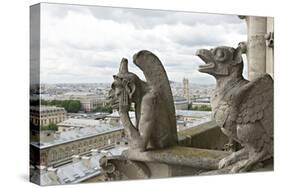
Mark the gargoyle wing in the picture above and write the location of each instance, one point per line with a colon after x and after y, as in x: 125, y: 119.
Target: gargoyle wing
x: 152, y: 68
x: 158, y: 81
x: 155, y: 74
x: 257, y: 103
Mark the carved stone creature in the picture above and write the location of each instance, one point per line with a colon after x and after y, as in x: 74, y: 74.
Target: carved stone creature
x: 153, y: 102
x: 243, y: 109
x: 118, y: 168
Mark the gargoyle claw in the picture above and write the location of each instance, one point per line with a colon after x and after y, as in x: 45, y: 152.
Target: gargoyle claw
x: 223, y: 163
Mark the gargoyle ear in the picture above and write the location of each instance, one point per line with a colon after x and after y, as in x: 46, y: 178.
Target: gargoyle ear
x: 237, y: 55
x: 130, y: 88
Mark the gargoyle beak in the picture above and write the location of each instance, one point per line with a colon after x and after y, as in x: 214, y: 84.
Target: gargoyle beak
x: 206, y: 56
x: 203, y: 54
x: 198, y: 52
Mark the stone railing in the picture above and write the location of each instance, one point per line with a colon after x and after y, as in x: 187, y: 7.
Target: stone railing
x: 182, y: 156
x: 199, y: 151
x: 206, y: 136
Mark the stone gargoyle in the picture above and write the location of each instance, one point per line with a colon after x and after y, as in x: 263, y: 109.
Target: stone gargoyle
x: 243, y: 109
x: 155, y: 125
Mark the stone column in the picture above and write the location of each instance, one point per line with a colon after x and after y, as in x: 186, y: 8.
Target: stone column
x: 256, y: 45
x: 270, y: 46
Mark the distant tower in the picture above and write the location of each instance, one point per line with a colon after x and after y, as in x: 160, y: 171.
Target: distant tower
x: 185, y: 88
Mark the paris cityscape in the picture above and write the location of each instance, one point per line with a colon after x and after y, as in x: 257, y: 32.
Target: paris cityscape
x: 93, y: 119
x: 77, y: 128
x: 73, y: 127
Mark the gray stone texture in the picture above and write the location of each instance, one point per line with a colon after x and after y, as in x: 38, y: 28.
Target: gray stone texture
x: 154, y: 106
x: 243, y: 109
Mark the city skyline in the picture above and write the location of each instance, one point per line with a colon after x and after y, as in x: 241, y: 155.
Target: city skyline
x: 85, y: 44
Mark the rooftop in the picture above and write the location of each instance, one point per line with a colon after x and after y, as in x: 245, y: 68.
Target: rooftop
x: 43, y: 108
x: 76, y: 134
x: 193, y: 113
x: 46, y: 108
x: 96, y: 115
x: 80, y: 122
x: 179, y: 99
x: 116, y: 114
x: 77, y: 171
x: 80, y: 93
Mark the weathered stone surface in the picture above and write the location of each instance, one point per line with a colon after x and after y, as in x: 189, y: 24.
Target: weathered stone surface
x: 182, y: 156
x: 243, y: 109
x: 120, y: 168
x: 154, y: 107
x: 259, y: 167
x: 255, y: 45
x: 205, y: 136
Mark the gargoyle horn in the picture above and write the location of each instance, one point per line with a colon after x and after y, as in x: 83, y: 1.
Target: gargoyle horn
x: 123, y: 69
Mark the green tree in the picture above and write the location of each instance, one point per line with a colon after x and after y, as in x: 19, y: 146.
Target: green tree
x: 73, y: 106
x: 205, y: 108
x: 199, y: 108
x: 189, y: 106
x: 105, y: 108
x: 50, y: 127
x: 69, y: 105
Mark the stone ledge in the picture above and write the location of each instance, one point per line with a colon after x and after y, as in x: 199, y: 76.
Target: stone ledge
x: 193, y: 131
x: 205, y: 136
x: 182, y: 156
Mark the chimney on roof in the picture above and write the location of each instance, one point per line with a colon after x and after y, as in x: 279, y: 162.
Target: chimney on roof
x: 75, y: 158
x: 52, y: 174
x: 95, y: 151
x: 57, y: 134
x: 86, y: 161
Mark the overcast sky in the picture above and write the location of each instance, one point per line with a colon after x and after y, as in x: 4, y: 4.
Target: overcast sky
x: 86, y: 43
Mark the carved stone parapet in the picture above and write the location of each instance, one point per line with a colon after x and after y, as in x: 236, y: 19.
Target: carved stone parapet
x: 182, y: 156
x: 120, y: 168
x: 172, y: 161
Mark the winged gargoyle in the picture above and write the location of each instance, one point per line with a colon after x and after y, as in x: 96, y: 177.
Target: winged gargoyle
x: 154, y: 107
x: 243, y: 109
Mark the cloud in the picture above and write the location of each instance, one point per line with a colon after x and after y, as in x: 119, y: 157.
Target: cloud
x: 86, y: 43
x: 144, y: 18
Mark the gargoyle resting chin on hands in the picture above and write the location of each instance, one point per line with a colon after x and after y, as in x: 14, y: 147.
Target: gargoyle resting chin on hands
x: 155, y: 125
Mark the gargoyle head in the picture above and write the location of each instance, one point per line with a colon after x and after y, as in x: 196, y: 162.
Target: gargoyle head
x: 123, y: 86
x: 221, y: 61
